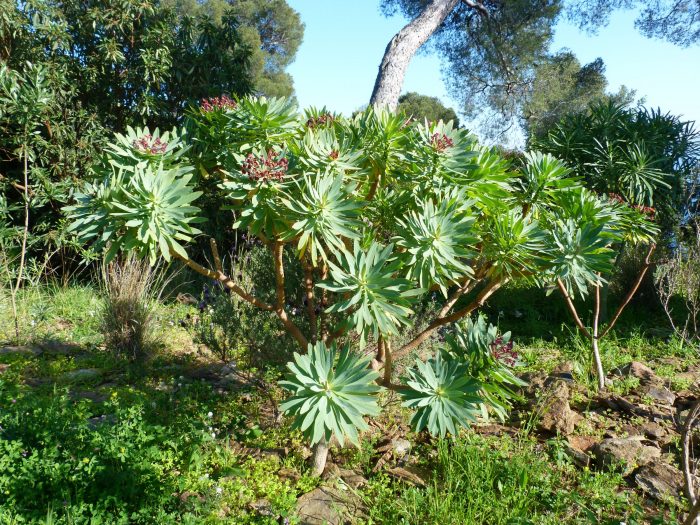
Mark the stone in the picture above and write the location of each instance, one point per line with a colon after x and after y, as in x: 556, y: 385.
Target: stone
x: 654, y: 431
x: 580, y: 458
x: 327, y: 506
x: 95, y: 397
x: 660, y: 480
x: 104, y: 419
x: 564, y: 371
x: 660, y: 394
x: 628, y: 453
x: 82, y: 375
x: 638, y: 370
x: 262, y: 507
x: 410, y: 474
x: 351, y: 478
x: 400, y: 447
x: 20, y: 350
x: 557, y: 416
x: 54, y: 347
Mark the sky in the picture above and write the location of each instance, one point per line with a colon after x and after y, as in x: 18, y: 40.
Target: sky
x: 344, y: 42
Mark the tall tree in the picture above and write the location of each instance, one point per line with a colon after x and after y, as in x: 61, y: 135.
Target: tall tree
x: 491, y: 47
x: 130, y: 60
x: 424, y: 107
x: 562, y: 86
x: 271, y: 28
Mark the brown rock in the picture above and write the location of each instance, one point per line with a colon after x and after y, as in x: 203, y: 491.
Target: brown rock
x: 626, y: 452
x: 660, y: 480
x: 327, y: 506
x: 654, y: 431
x: 20, y: 350
x: 638, y: 370
x: 658, y: 393
x: 557, y: 416
x: 412, y: 475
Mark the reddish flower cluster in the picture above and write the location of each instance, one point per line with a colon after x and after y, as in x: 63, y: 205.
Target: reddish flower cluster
x: 504, y: 352
x: 646, y: 210
x: 334, y: 154
x: 441, y: 142
x: 321, y: 120
x: 270, y: 167
x: 222, y: 102
x: 147, y: 144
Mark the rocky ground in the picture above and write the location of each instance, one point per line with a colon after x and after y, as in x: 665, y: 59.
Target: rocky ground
x: 635, y: 430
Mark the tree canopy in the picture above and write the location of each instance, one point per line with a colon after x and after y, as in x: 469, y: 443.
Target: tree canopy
x: 424, y: 107
x: 562, y: 86
x: 130, y: 60
x: 492, y: 50
x: 271, y: 28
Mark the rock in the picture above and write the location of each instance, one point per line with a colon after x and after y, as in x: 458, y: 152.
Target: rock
x: 626, y: 452
x: 81, y: 375
x: 262, y: 507
x: 557, y: 416
x: 410, y: 474
x: 327, y: 506
x: 400, y: 447
x: 580, y: 458
x: 95, y: 397
x: 275, y: 454
x: 351, y: 478
x: 654, y: 431
x: 20, y: 350
x: 660, y: 480
x: 638, y: 370
x: 661, y: 394
x: 564, y: 371
x: 53, y: 347
x: 98, y: 421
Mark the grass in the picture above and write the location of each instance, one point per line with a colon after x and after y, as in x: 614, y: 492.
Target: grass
x: 137, y: 444
x: 504, y: 481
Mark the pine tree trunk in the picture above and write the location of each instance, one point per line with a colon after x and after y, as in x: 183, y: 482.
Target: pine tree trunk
x: 401, y: 49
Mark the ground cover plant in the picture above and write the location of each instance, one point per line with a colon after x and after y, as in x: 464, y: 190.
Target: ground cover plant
x: 379, y: 213
x: 200, y: 446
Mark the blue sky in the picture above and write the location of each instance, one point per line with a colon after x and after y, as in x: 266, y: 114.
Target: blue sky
x: 344, y: 42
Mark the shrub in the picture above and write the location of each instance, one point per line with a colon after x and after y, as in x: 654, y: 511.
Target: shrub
x: 377, y: 213
x: 127, y: 315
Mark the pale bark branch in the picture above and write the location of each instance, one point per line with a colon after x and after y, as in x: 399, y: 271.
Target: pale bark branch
x: 572, y: 308
x: 478, y: 302
x: 632, y: 291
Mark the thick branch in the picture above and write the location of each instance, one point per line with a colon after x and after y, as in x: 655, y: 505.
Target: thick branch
x: 489, y: 290
x: 278, y: 254
x: 215, y: 253
x: 632, y: 291
x: 324, y: 302
x: 310, y: 304
x: 225, y: 280
x: 401, y: 49
x: 572, y: 309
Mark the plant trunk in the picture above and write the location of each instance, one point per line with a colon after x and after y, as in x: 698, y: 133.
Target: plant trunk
x: 319, y: 458
x: 401, y: 49
x: 23, y: 252
x: 600, y: 374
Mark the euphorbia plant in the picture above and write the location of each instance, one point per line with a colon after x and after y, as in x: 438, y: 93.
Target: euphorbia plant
x: 379, y: 212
